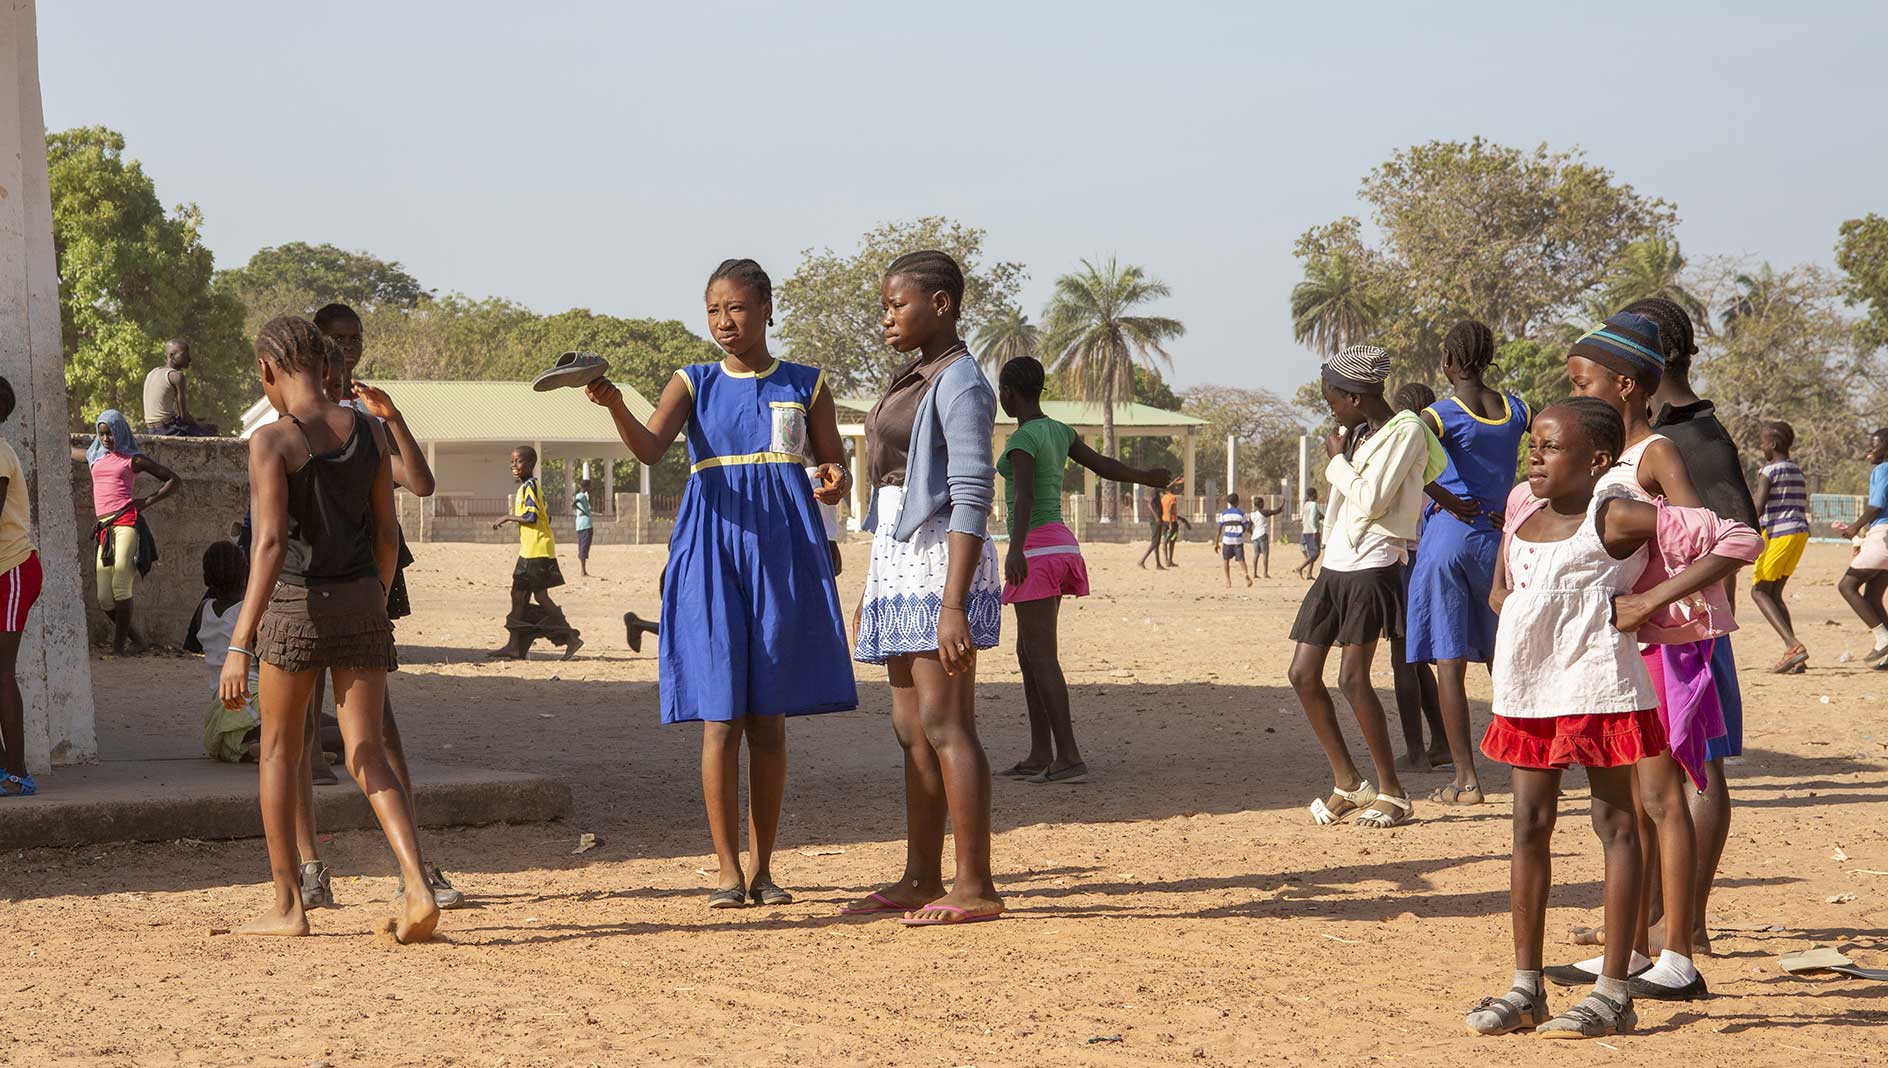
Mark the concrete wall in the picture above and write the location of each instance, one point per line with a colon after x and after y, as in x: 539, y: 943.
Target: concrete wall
x: 215, y: 495
x: 55, y: 684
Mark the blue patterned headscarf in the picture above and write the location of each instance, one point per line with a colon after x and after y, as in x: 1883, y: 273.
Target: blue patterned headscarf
x: 122, y: 442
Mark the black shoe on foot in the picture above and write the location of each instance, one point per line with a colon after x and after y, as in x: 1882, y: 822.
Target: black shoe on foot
x: 1570, y: 975
x: 1647, y: 991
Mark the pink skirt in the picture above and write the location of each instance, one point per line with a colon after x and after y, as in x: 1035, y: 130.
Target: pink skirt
x: 1056, y: 568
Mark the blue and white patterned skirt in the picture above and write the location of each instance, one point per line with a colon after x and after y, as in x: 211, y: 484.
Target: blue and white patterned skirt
x: 905, y: 588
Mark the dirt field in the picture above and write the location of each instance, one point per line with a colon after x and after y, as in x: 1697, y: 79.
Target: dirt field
x: 1178, y: 908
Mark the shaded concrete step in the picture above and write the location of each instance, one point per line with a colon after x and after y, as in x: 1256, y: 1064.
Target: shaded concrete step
x: 160, y: 800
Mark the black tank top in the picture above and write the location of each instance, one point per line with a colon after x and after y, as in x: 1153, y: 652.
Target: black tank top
x: 330, y: 511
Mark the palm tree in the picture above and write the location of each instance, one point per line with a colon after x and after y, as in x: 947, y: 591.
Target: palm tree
x: 1760, y: 290
x: 1094, y: 341
x: 1652, y: 268
x: 1005, y: 336
x: 1330, y: 309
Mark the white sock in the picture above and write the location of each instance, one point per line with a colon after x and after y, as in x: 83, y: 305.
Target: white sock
x: 1639, y: 960
x: 1881, y: 636
x: 1671, y: 970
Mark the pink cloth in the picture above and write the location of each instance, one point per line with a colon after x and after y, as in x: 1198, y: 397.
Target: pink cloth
x: 1688, y: 701
x: 1685, y: 535
x: 112, y: 479
x: 1056, y: 567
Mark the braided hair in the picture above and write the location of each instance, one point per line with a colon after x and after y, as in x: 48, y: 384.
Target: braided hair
x: 1024, y: 375
x: 225, y: 568
x: 292, y: 344
x: 1599, y: 423
x: 934, y: 272
x: 1470, y: 346
x: 330, y: 314
x: 747, y: 273
x: 1676, y: 338
x: 1413, y: 397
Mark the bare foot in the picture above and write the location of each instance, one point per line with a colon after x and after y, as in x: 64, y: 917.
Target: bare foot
x: 273, y: 924
x: 418, y: 916
x: 956, y: 906
x: 1414, y: 762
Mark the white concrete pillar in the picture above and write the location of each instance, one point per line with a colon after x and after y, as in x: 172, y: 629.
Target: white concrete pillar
x: 54, y: 672
x: 1232, y: 463
x: 1192, y: 443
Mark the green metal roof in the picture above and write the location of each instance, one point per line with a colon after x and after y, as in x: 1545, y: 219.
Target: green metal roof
x: 506, y: 412
x: 1074, y: 413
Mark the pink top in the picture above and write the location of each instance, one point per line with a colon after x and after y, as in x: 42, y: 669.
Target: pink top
x: 1684, y: 536
x: 112, y: 479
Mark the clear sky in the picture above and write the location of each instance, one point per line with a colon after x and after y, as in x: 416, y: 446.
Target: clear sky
x: 607, y: 155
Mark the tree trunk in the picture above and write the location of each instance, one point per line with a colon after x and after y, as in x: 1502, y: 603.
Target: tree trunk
x: 1111, y: 490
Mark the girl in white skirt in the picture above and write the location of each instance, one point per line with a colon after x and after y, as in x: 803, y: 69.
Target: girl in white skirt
x: 933, y: 596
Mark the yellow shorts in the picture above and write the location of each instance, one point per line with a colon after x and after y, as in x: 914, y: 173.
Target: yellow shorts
x: 1780, y: 557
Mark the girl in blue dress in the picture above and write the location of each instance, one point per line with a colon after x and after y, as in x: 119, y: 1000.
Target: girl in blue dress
x: 751, y: 631
x: 1450, y: 623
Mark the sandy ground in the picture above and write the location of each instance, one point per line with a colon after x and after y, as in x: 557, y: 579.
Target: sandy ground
x: 1179, y: 908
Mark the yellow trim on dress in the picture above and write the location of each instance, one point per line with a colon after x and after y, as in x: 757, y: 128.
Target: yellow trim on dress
x: 748, y: 458
x: 1507, y: 402
x: 771, y: 368
x: 786, y: 404
x: 686, y: 381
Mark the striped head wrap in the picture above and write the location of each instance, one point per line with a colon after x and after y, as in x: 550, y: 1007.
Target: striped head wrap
x: 1626, y: 343
x: 1358, y: 369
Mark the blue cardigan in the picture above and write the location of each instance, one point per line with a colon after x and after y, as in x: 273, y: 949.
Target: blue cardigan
x: 949, y: 465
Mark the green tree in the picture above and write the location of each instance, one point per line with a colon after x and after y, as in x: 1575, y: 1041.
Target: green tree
x: 132, y: 276
x: 1654, y: 267
x: 1331, y: 309
x: 1862, y: 253
x: 1005, y: 336
x: 297, y: 278
x: 829, y: 307
x: 1266, y: 427
x: 1094, y: 340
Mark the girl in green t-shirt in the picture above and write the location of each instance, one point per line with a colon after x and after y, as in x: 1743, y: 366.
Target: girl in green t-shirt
x: 1045, y: 562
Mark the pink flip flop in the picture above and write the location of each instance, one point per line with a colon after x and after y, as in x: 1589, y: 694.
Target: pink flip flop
x: 885, y: 905
x: 956, y: 917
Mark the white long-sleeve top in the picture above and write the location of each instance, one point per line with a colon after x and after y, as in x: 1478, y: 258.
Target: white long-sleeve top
x: 1377, y: 495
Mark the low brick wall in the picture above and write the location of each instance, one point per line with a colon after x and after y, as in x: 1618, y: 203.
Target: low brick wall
x: 214, y: 496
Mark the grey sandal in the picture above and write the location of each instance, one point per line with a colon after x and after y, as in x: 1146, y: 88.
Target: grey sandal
x: 765, y: 892
x: 317, y: 893
x: 729, y: 897
x: 1499, y: 1016
x: 573, y: 369
x: 1583, y: 1022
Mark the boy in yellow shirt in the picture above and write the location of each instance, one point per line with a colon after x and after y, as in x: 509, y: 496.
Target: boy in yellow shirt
x: 537, y: 571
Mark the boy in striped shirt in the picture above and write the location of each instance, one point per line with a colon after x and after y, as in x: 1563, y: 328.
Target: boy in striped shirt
x: 1782, y: 498
x: 1234, y: 525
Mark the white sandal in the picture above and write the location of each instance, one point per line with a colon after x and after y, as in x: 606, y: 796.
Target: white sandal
x: 1403, y: 808
x: 1356, y: 799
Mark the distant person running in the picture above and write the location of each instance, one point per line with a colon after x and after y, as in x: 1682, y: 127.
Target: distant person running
x: 580, y: 508
x: 751, y: 629
x: 1044, y: 563
x: 536, y: 573
x: 116, y: 462
x: 1310, y: 519
x: 1866, y: 579
x: 1379, y: 463
x: 1234, y: 525
x: 1782, y: 499
x: 1157, y: 531
x: 20, y: 581
x: 324, y: 551
x: 166, y: 400
x: 1450, y: 623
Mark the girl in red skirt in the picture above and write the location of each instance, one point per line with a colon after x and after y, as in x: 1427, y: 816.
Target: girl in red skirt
x: 1571, y: 688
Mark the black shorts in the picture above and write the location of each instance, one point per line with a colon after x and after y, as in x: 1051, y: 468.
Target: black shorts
x: 534, y: 574
x: 1351, y: 607
x: 1233, y: 552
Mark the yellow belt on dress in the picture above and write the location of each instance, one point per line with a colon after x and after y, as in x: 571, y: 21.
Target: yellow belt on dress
x: 748, y: 458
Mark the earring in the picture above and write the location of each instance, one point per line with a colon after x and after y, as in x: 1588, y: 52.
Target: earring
x: 770, y: 320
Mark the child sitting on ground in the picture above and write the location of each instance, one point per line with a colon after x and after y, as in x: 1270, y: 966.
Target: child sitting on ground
x: 229, y: 735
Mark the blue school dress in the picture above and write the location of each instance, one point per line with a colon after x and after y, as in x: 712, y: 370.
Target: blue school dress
x: 750, y: 614
x: 1449, y: 617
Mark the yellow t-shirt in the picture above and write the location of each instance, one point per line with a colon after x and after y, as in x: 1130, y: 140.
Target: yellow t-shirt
x: 16, y: 516
x: 534, y: 534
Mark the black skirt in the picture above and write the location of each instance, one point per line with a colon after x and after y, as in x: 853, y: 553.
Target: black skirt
x: 536, y: 573
x: 1351, y: 607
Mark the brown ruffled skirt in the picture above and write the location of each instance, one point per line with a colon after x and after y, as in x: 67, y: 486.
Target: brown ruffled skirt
x: 339, y: 625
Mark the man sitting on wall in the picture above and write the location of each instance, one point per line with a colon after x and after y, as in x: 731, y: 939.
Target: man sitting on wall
x: 166, y: 406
